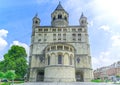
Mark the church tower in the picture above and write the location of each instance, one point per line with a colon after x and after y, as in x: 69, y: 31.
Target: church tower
x: 83, y: 21
x: 36, y: 20
x: 59, y: 17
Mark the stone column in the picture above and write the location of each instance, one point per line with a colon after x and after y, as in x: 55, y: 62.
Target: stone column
x: 33, y: 75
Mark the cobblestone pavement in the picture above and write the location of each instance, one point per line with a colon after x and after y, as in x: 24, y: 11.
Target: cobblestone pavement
x: 61, y: 83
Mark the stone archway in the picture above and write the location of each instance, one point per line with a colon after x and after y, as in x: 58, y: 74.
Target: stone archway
x: 40, y: 76
x: 79, y: 77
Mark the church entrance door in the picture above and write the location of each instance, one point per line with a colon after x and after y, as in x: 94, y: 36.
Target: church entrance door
x: 79, y: 77
x: 40, y: 76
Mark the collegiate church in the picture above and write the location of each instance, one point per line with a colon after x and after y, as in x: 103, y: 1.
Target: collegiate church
x: 60, y: 53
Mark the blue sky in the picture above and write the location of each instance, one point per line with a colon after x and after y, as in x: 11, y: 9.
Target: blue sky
x: 103, y: 18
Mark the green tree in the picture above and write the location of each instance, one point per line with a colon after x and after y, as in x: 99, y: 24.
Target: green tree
x: 15, y: 59
x: 2, y: 66
x: 1, y: 75
x: 10, y: 75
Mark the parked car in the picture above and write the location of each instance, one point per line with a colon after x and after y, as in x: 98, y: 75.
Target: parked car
x: 4, y: 80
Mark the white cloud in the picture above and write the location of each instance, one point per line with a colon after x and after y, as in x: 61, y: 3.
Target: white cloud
x: 105, y: 28
x: 3, y: 42
x: 3, y: 33
x: 116, y: 40
x: 21, y: 44
x: 110, y: 56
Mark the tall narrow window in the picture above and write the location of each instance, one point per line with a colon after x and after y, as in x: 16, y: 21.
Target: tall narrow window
x: 70, y: 60
x: 48, y: 60
x: 53, y: 18
x: 59, y: 59
x: 65, y: 18
x: 78, y: 60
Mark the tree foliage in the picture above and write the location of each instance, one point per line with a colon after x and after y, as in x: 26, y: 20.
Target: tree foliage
x: 10, y: 75
x: 15, y: 59
x: 2, y: 75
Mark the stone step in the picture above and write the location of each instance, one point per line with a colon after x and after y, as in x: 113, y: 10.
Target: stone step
x: 64, y: 83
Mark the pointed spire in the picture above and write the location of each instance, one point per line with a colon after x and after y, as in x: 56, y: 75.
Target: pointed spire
x: 59, y: 7
x: 82, y: 15
x: 36, y: 15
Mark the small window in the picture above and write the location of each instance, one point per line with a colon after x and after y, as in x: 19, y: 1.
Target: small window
x: 79, y: 34
x: 39, y: 40
x: 45, y: 30
x: 74, y: 39
x: 54, y: 39
x: 79, y: 39
x: 65, y: 18
x: 40, y: 30
x: 71, y: 49
x: 48, y: 49
x: 59, y: 39
x: 59, y: 30
x: 66, y: 48
x: 70, y: 60
x: 39, y: 34
x: 65, y: 30
x: 36, y: 22
x: 60, y: 47
x: 54, y: 30
x: 59, y: 59
x: 59, y: 16
x: 59, y: 34
x: 73, y: 35
x: 80, y: 30
x: 74, y: 30
x: 54, y: 35
x: 48, y: 60
x: 78, y: 60
x: 82, y: 21
x: 64, y: 39
x: 45, y: 39
x: 53, y: 18
x: 53, y: 48
x: 64, y: 35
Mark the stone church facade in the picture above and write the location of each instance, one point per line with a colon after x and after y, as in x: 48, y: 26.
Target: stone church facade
x: 60, y: 52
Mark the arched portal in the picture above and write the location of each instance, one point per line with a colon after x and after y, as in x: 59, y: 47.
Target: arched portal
x: 79, y: 77
x: 40, y: 76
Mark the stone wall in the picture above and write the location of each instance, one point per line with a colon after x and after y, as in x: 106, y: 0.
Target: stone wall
x: 60, y: 73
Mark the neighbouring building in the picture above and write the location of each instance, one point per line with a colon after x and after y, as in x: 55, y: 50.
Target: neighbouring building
x: 109, y: 72
x: 60, y: 52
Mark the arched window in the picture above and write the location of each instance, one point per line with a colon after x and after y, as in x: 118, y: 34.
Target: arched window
x: 36, y: 22
x: 59, y: 59
x: 65, y: 18
x: 48, y: 60
x: 53, y: 18
x: 59, y: 16
x: 70, y: 60
x: 82, y: 22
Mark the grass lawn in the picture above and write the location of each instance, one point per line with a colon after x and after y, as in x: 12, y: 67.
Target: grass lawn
x: 9, y: 83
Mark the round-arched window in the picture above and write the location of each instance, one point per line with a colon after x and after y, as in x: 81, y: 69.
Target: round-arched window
x: 59, y: 59
x: 53, y: 18
x: 59, y: 16
x: 48, y: 60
